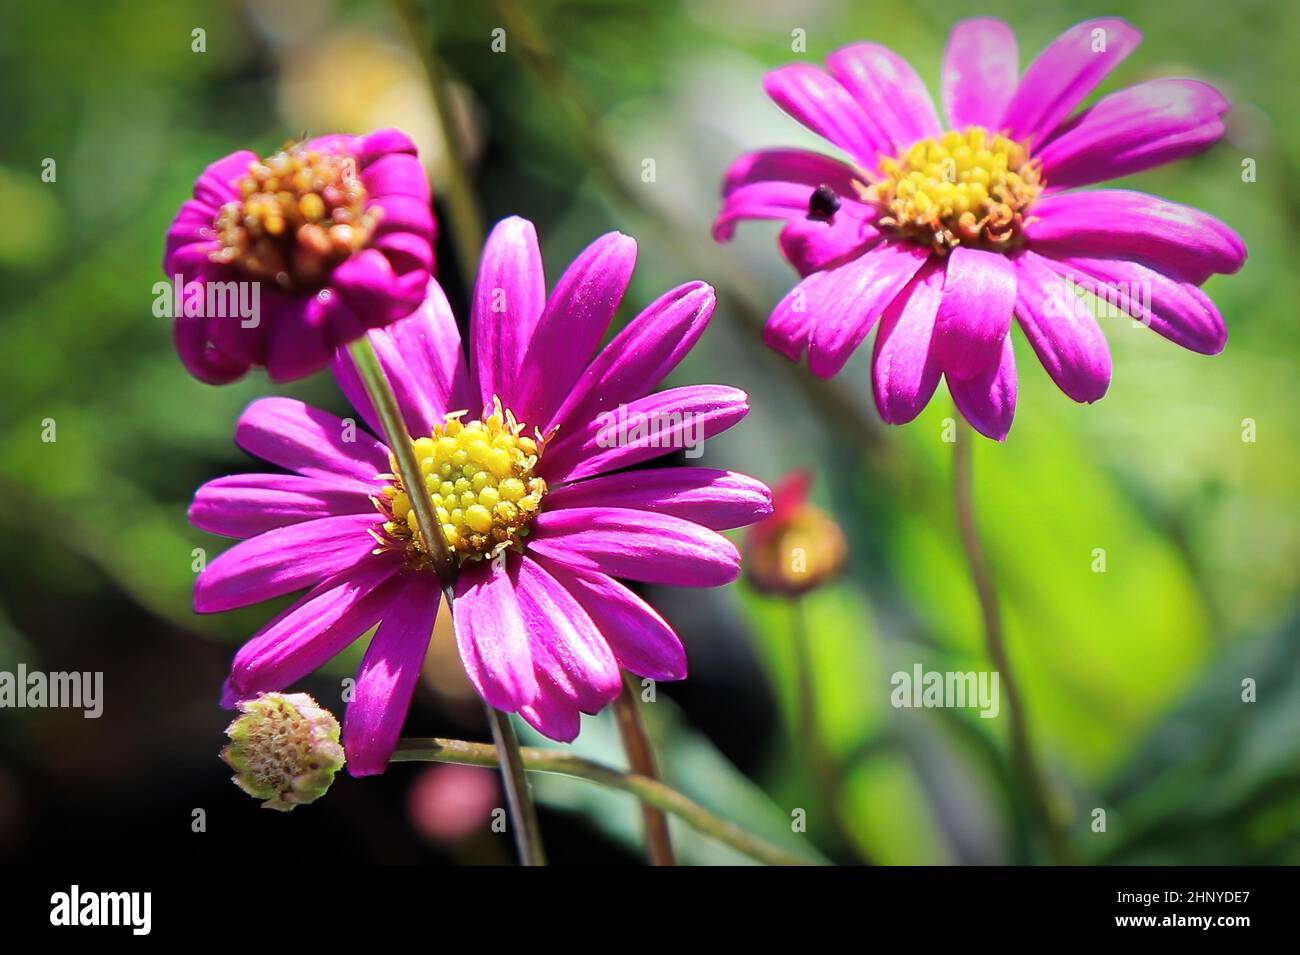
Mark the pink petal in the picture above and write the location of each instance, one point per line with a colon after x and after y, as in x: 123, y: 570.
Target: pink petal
x: 980, y: 69
x: 811, y: 246
x: 640, y: 356
x: 294, y: 435
x: 799, y: 166
x: 314, y: 629
x: 641, y: 640
x: 637, y: 545
x: 422, y: 359
x: 566, y: 645
x: 1061, y: 330
x: 1062, y: 76
x: 714, y: 499
x: 388, y: 675
x: 824, y: 106
x: 284, y: 560
x: 848, y: 301
x: 1179, y: 311
x: 979, y: 292
x: 509, y: 297
x: 1135, y: 129
x: 552, y: 713
x: 1116, y: 223
x: 889, y: 92
x: 245, y: 505
x: 572, y: 325
x: 491, y: 636
x: 658, y: 424
x: 904, y: 372
x: 988, y: 401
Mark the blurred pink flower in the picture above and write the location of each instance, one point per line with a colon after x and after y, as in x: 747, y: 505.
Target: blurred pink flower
x: 537, y: 526
x: 334, y: 236
x: 942, y: 236
x: 450, y: 802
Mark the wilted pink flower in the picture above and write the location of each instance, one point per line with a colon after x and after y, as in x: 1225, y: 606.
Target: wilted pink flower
x: 332, y: 236
x: 536, y: 525
x: 943, y: 236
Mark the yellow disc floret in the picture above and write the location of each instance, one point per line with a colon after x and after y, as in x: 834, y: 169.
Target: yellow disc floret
x: 964, y: 188
x: 479, y: 476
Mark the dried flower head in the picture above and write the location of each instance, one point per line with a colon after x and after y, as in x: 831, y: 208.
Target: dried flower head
x: 284, y: 749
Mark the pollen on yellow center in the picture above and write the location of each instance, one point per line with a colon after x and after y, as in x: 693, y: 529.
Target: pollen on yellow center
x: 480, y: 478
x: 301, y: 211
x: 964, y: 188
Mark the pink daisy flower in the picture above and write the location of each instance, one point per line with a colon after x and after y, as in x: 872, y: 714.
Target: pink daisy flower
x: 335, y: 235
x: 942, y: 236
x: 525, y: 465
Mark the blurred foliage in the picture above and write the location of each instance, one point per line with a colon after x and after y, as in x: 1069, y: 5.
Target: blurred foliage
x: 1132, y: 676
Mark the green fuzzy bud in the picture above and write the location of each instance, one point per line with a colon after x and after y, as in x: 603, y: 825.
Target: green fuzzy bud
x: 284, y: 749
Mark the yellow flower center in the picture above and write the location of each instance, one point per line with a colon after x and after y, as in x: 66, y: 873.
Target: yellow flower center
x: 480, y: 478
x: 301, y: 212
x: 968, y: 188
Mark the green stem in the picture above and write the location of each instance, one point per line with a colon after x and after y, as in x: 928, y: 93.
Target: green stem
x: 649, y: 791
x: 1032, y: 783
x: 381, y: 395
x: 641, y: 760
x: 462, y: 207
x: 528, y: 832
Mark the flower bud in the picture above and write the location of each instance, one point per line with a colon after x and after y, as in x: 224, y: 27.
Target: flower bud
x: 284, y: 749
x: 797, y: 547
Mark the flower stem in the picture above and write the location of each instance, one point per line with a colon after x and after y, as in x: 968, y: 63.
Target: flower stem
x: 523, y: 816
x: 641, y: 759
x: 1032, y: 783
x: 648, y: 790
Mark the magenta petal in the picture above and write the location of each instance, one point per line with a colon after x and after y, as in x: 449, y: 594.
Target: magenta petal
x: 422, y: 359
x: 551, y: 713
x: 637, y: 545
x: 819, y: 102
x: 491, y: 636
x: 848, y: 301
x: 314, y: 629
x: 572, y: 325
x: 675, y: 419
x: 1062, y: 76
x: 216, y: 186
x: 388, y: 675
x: 979, y: 293
x: 988, y: 401
x: 641, y: 639
x: 566, y: 645
x: 980, y: 68
x: 284, y: 560
x: 509, y: 297
x: 1116, y: 223
x: 381, y: 142
x: 889, y: 92
x: 811, y: 246
x: 798, y: 166
x: 299, y: 340
x: 1135, y: 129
x: 1179, y: 311
x: 904, y: 372
x: 245, y: 505
x: 714, y: 499
x: 1061, y: 330
x: 312, y: 442
x: 640, y: 356
x: 200, y: 358
x: 396, y: 174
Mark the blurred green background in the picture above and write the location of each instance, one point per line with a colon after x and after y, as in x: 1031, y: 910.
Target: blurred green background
x: 1132, y: 677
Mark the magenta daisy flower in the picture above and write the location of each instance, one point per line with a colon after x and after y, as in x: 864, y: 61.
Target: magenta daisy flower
x: 524, y: 450
x: 324, y: 239
x: 942, y: 236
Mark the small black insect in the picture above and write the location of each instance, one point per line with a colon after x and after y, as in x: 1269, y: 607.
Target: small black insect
x: 823, y: 204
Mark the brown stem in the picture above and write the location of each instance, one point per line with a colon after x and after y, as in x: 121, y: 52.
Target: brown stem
x: 641, y: 760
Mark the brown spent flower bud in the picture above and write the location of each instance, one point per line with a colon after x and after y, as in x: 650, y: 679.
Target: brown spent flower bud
x: 797, y: 547
x: 284, y: 749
